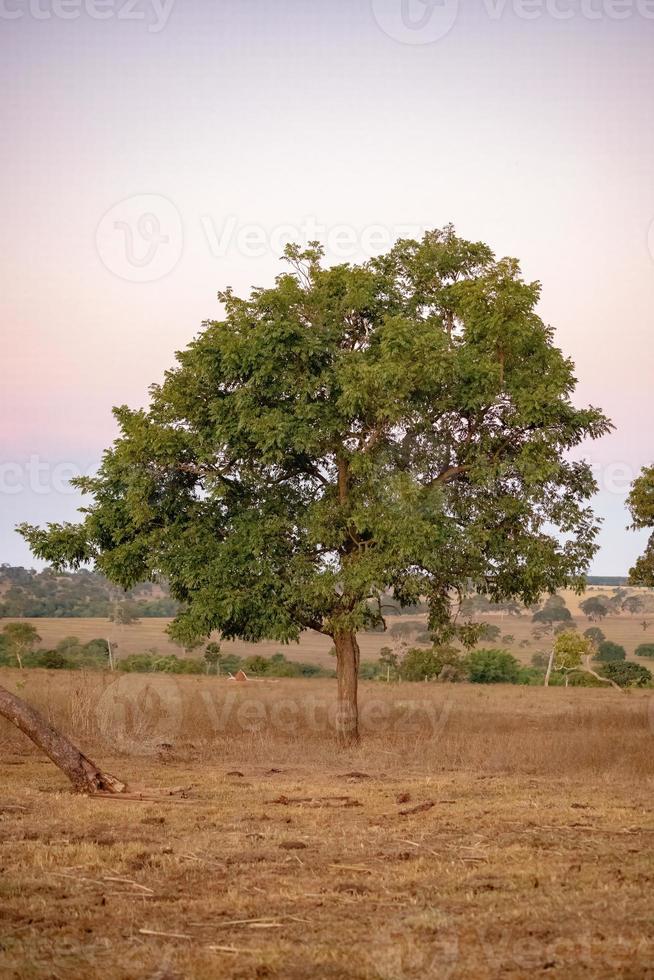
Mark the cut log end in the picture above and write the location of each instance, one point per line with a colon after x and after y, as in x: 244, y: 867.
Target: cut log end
x: 93, y: 780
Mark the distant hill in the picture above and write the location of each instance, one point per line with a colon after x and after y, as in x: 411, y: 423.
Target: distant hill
x: 25, y: 592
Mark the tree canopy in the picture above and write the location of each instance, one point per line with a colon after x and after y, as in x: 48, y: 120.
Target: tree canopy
x: 641, y: 506
x: 594, y: 608
x: 400, y: 426
x: 554, y: 611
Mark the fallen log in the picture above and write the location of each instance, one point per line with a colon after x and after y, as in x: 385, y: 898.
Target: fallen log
x: 85, y: 776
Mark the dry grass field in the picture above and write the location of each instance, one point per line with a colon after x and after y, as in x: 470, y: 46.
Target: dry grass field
x: 476, y: 832
x: 313, y: 648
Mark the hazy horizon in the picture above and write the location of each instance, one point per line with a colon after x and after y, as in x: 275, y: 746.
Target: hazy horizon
x: 153, y: 161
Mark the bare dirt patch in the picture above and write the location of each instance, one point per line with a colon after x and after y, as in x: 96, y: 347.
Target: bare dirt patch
x: 516, y: 839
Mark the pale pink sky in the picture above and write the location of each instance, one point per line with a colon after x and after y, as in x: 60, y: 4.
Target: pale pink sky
x: 533, y: 135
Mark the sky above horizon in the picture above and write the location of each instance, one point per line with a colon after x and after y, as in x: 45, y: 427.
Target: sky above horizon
x: 158, y: 150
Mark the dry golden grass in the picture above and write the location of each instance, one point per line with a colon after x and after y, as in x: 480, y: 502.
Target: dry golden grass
x: 314, y: 648
x: 530, y: 848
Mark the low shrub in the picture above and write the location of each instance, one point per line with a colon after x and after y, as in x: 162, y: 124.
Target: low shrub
x: 419, y: 664
x: 608, y: 651
x: 627, y: 674
x: 492, y: 667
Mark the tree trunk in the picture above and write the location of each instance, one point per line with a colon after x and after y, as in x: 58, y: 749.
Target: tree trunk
x: 549, y: 668
x: 605, y: 680
x: 347, y: 672
x: 83, y: 774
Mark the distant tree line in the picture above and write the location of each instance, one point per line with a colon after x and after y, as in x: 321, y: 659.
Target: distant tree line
x: 26, y: 593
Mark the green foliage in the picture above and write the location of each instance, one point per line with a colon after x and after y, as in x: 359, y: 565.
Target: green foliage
x: 54, y: 660
x: 570, y: 649
x: 531, y: 676
x: 474, y: 605
x: 153, y: 663
x: 641, y: 506
x: 554, y: 611
x: 627, y: 674
x: 594, y: 608
x: 20, y: 640
x: 213, y: 657
x: 539, y: 659
x: 492, y: 667
x: 389, y: 663
x: 576, y: 679
x: 419, y: 664
x: 124, y: 613
x: 401, y: 426
x: 645, y: 650
x: 255, y: 664
x: 70, y: 646
x: 608, y: 651
x: 595, y: 635
x: 489, y: 632
x: 30, y: 594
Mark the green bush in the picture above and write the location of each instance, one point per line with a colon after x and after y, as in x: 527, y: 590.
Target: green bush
x: 645, y: 650
x: 627, y: 674
x: 608, y: 651
x: 54, y: 660
x: 419, y: 664
x: 98, y: 650
x: 580, y: 679
x: 533, y: 676
x: 492, y: 667
x: 489, y: 631
x: 139, y: 663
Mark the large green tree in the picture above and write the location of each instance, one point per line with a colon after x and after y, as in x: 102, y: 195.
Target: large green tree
x: 398, y: 426
x: 641, y: 506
